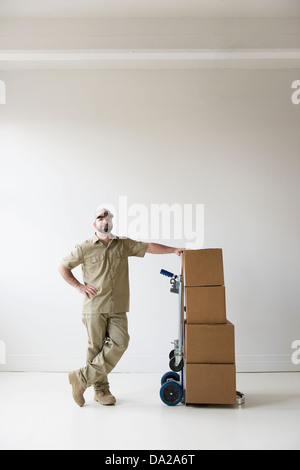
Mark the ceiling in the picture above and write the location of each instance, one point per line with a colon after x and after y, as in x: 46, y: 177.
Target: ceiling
x: 149, y: 8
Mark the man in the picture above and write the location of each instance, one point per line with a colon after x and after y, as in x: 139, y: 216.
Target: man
x: 104, y: 262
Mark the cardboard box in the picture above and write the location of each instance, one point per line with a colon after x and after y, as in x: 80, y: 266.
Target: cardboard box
x: 203, y: 267
x: 205, y: 304
x: 210, y: 344
x: 210, y: 384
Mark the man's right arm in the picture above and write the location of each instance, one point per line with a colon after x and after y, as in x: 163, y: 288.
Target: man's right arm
x: 88, y: 291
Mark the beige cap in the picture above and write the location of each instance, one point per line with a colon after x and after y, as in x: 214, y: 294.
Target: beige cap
x: 102, y: 211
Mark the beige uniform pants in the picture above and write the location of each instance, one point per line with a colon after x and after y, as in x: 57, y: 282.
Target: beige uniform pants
x: 107, y: 341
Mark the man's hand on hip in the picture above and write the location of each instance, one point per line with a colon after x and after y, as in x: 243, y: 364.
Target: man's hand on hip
x: 88, y: 291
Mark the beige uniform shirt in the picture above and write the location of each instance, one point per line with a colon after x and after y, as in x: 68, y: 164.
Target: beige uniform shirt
x: 106, y: 269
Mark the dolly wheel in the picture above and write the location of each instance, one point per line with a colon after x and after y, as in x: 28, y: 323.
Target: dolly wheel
x: 170, y: 376
x: 172, y: 354
x: 174, y: 367
x: 171, y: 393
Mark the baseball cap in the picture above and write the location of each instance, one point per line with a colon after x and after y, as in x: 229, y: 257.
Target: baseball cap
x: 102, y: 211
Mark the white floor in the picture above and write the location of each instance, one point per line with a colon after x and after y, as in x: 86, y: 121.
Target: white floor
x: 38, y: 412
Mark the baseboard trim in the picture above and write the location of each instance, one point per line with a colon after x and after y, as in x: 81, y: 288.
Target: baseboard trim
x: 131, y: 363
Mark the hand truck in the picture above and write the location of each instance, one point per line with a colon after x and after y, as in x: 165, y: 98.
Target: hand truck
x: 172, y: 390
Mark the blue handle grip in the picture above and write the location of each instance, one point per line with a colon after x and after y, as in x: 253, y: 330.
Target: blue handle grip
x: 166, y: 273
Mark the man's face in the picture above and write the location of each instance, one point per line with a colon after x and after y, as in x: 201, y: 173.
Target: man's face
x: 103, y: 223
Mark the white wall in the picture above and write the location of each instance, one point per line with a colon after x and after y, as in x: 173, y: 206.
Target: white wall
x: 70, y: 140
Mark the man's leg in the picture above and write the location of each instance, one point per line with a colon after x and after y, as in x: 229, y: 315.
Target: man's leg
x: 117, y: 343
x: 96, y: 330
x: 96, y: 325
x: 117, y: 339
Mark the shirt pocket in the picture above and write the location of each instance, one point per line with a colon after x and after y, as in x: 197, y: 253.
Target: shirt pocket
x: 119, y: 262
x: 93, y: 263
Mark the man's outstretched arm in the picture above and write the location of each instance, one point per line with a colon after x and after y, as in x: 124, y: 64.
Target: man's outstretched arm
x: 158, y: 249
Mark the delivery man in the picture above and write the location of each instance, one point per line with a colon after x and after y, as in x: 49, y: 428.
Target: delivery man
x: 104, y: 262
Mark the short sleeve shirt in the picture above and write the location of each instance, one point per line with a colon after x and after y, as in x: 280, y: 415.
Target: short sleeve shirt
x: 105, y: 267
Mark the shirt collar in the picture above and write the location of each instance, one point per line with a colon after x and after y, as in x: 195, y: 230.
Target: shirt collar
x: 96, y: 239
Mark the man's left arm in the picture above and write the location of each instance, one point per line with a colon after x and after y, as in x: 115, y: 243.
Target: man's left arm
x: 158, y: 249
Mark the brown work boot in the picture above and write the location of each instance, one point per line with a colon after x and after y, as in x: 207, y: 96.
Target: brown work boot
x: 77, y: 389
x: 104, y: 397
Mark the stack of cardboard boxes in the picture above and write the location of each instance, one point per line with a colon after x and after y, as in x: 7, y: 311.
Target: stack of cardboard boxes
x: 210, y: 373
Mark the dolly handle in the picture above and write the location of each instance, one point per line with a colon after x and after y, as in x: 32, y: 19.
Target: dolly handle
x: 166, y: 273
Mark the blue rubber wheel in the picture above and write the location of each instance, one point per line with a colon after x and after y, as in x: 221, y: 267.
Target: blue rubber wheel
x: 170, y: 376
x: 171, y: 393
